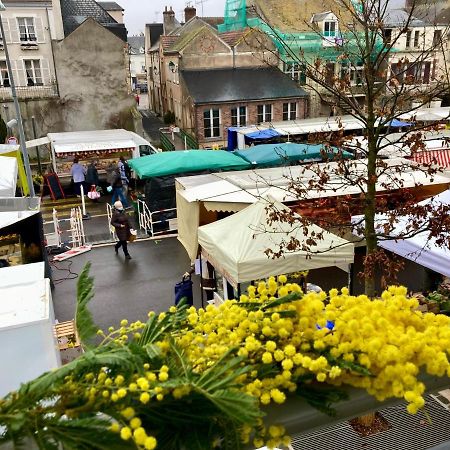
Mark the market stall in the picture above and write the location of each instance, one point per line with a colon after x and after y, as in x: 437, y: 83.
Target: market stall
x: 28, y: 346
x: 8, y: 176
x: 237, y: 245
x: 13, y: 151
x: 289, y: 153
x: 420, y: 248
x: 21, y: 238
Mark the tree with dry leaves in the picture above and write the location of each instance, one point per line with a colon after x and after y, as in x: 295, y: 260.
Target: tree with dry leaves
x: 379, y: 65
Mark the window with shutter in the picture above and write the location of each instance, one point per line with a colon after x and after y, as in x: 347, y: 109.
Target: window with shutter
x: 45, y: 68
x: 7, y: 36
x: 40, y: 33
x: 33, y: 72
x: 27, y: 30
x: 4, y: 75
x: 14, y: 30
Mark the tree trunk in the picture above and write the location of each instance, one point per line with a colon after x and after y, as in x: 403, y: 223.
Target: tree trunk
x: 367, y: 420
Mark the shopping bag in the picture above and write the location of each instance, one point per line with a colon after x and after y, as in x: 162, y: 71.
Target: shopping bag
x: 93, y: 194
x: 132, y: 236
x: 183, y: 289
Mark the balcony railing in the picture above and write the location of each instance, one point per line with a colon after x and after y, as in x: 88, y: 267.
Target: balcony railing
x: 30, y: 92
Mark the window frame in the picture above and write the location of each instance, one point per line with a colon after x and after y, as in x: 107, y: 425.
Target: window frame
x: 332, y: 31
x: 408, y: 38
x: 416, y: 39
x: 209, y: 131
x: 4, y: 71
x: 27, y: 36
x: 289, y: 108
x: 237, y: 116
x: 34, y: 71
x: 266, y: 113
x: 437, y: 37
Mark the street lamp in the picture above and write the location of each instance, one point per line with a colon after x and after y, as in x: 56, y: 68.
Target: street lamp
x: 23, y: 148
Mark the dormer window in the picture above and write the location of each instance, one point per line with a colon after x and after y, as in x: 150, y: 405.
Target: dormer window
x: 330, y: 28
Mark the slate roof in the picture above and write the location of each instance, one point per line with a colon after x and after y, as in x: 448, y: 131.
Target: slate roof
x: 75, y: 12
x: 110, y: 6
x: 398, y: 18
x: 156, y: 30
x: 136, y: 43
x: 240, y: 84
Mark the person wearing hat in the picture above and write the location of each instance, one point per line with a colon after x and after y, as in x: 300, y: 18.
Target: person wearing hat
x: 121, y: 223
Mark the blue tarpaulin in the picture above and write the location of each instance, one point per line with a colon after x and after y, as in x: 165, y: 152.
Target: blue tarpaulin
x: 398, y: 123
x: 263, y: 134
x: 285, y: 153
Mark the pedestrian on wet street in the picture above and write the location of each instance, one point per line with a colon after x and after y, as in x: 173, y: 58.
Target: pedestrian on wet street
x: 121, y: 223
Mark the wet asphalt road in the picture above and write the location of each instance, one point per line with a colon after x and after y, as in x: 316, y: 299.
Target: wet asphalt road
x: 124, y: 289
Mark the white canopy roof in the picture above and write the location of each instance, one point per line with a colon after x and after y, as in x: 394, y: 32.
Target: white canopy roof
x: 236, y: 245
x: 427, y: 114
x: 420, y: 248
x: 79, y: 141
x: 314, y: 125
x: 8, y: 176
x: 246, y: 186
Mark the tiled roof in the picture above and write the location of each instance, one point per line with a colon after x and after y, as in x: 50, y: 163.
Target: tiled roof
x: 75, y: 12
x: 240, y: 84
x: 295, y: 15
x: 110, y: 6
x: 232, y: 37
x: 213, y: 21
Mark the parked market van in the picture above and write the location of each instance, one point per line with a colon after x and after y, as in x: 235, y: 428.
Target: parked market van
x: 104, y: 146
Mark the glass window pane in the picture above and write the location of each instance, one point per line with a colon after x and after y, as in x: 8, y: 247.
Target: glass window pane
x: 206, y: 114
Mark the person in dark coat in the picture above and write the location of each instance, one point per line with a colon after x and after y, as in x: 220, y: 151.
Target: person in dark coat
x: 92, y: 174
x: 121, y: 223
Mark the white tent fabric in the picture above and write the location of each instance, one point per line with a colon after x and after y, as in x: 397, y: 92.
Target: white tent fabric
x: 235, y: 245
x: 8, y: 176
x: 420, y: 248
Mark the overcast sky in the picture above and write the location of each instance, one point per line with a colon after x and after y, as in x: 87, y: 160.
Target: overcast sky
x: 140, y: 12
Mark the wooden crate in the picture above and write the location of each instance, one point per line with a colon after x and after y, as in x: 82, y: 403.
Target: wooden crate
x: 68, y: 340
x: 67, y: 335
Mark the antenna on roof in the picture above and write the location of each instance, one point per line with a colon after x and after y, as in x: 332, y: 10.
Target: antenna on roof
x: 200, y: 2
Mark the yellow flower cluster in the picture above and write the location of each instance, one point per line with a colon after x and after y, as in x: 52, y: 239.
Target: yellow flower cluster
x: 379, y: 345
x: 285, y: 337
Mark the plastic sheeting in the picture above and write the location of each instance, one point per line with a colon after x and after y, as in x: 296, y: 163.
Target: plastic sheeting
x: 419, y: 248
x: 8, y: 176
x: 186, y: 161
x: 240, y: 254
x: 278, y: 154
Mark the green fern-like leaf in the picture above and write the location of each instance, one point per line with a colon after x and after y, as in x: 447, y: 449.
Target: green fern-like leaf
x: 83, y: 317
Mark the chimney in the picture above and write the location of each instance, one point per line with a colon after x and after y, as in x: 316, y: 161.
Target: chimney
x: 189, y: 13
x: 169, y: 20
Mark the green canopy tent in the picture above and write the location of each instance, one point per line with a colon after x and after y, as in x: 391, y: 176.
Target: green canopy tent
x: 185, y: 161
x: 286, y: 153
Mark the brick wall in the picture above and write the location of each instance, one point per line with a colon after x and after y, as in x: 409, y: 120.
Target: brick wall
x: 252, y: 116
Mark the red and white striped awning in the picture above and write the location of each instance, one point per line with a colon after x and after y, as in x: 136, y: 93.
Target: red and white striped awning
x: 439, y: 157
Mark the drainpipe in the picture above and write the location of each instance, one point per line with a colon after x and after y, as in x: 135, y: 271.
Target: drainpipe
x: 234, y: 57
x: 53, y: 52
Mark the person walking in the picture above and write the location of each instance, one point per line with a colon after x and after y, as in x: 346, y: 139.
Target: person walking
x: 117, y: 188
x: 121, y: 223
x: 123, y: 170
x: 92, y: 174
x: 78, y: 173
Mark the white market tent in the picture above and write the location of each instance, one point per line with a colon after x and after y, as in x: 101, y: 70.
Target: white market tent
x: 420, y: 248
x: 232, y: 191
x: 236, y: 245
x: 8, y: 176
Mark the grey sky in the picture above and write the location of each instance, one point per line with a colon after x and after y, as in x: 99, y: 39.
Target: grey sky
x: 140, y: 12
